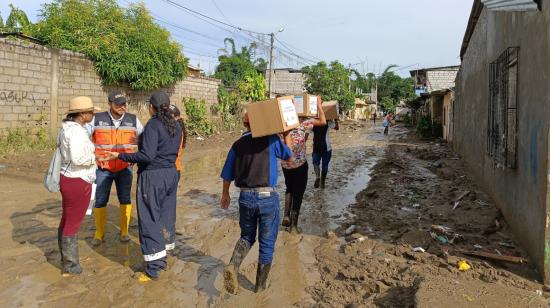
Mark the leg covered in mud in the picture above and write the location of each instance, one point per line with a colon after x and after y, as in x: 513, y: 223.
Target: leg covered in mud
x: 268, y: 231
x: 231, y: 271
x: 316, y: 160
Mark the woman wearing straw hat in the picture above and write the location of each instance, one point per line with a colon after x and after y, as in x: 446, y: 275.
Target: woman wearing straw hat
x: 78, y: 167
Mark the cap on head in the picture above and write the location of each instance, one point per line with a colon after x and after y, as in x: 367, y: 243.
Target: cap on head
x: 159, y: 98
x: 117, y: 97
x: 175, y: 110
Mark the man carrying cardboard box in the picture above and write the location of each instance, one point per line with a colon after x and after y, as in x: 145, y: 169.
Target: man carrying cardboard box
x: 252, y: 164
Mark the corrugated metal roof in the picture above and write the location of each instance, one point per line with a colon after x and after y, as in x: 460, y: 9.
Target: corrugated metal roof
x: 511, y: 5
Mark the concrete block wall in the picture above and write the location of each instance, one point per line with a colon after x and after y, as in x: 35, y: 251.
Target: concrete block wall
x: 441, y: 79
x: 286, y: 82
x: 36, y: 84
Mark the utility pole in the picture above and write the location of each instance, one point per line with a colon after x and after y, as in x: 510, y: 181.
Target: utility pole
x: 272, y: 35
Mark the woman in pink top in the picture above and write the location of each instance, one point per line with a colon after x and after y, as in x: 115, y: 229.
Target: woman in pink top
x: 296, y: 171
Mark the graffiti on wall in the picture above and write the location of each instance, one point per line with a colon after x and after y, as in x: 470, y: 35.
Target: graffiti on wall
x: 17, y: 97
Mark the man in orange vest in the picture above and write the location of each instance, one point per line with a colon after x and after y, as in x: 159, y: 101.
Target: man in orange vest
x: 114, y: 130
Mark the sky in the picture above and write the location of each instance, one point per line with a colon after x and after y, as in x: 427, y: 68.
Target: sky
x: 368, y: 34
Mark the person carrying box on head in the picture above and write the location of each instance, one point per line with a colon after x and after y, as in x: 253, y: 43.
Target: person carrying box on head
x: 114, y: 130
x: 252, y: 164
x: 296, y: 171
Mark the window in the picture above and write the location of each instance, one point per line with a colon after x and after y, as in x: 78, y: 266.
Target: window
x: 502, y: 128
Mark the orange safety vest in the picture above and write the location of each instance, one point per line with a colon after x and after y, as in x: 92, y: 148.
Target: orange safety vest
x: 107, y: 137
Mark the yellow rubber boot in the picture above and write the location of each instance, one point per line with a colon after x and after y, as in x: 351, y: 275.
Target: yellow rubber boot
x: 125, y: 214
x: 100, y: 217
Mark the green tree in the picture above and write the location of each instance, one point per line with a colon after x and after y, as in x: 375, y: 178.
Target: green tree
x: 17, y: 21
x: 392, y: 89
x: 1, y: 23
x: 331, y: 82
x: 125, y: 44
x: 235, y: 66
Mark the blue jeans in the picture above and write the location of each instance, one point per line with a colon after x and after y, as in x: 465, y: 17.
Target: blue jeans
x: 257, y: 212
x: 325, y: 158
x: 104, y: 181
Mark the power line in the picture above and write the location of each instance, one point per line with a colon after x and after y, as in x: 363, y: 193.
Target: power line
x: 305, y: 52
x: 211, y: 18
x: 220, y: 10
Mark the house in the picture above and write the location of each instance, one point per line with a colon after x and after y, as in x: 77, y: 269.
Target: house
x: 286, y: 81
x: 435, y: 86
x: 502, y: 115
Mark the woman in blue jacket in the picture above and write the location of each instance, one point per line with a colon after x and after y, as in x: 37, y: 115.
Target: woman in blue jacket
x: 157, y: 183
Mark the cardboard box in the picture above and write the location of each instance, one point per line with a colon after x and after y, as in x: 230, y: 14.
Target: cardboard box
x: 331, y: 110
x: 306, y: 105
x: 273, y: 116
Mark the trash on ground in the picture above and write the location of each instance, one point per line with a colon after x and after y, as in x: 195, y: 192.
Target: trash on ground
x: 476, y: 246
x: 464, y: 194
x: 419, y: 249
x: 350, y: 229
x: 463, y: 266
x: 507, y: 244
x: 493, y: 257
x: 456, y: 204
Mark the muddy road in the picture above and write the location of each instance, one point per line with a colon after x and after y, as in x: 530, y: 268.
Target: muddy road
x: 383, y: 195
x: 206, y: 235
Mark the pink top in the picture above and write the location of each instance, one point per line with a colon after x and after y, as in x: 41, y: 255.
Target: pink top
x: 298, y: 148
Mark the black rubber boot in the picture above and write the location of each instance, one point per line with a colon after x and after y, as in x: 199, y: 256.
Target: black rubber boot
x: 261, y: 277
x: 288, y: 205
x: 294, y: 223
x: 323, y: 179
x: 231, y: 271
x: 69, y: 251
x: 317, y: 170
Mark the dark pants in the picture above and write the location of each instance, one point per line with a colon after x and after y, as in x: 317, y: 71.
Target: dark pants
x: 386, y: 129
x: 296, y: 182
x: 104, y: 181
x: 75, y: 199
x: 259, y: 213
x: 156, y: 208
x: 322, y: 159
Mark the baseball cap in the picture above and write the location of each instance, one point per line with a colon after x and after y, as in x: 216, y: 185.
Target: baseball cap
x: 159, y: 98
x: 117, y: 97
x: 175, y: 110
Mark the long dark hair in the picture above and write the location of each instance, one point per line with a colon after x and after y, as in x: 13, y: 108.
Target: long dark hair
x: 183, y: 131
x: 71, y: 117
x: 167, y: 119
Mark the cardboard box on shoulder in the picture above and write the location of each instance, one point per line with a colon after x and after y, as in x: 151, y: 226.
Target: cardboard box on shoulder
x: 306, y: 105
x: 331, y: 110
x: 272, y: 116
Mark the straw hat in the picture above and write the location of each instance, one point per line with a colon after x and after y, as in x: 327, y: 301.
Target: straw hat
x: 81, y: 104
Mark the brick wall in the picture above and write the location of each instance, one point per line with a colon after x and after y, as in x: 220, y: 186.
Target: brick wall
x: 286, y: 81
x: 36, y: 84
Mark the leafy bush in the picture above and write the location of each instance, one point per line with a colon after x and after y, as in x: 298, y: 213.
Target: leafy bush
x: 125, y: 44
x: 228, y: 109
x: 424, y: 126
x: 331, y: 82
x: 198, y: 121
x: 22, y: 140
x: 252, y: 87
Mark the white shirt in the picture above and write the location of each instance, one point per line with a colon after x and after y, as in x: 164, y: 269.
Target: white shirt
x: 90, y: 126
x: 77, y: 152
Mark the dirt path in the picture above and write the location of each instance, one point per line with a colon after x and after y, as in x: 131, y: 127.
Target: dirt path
x: 417, y: 187
x: 206, y: 236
